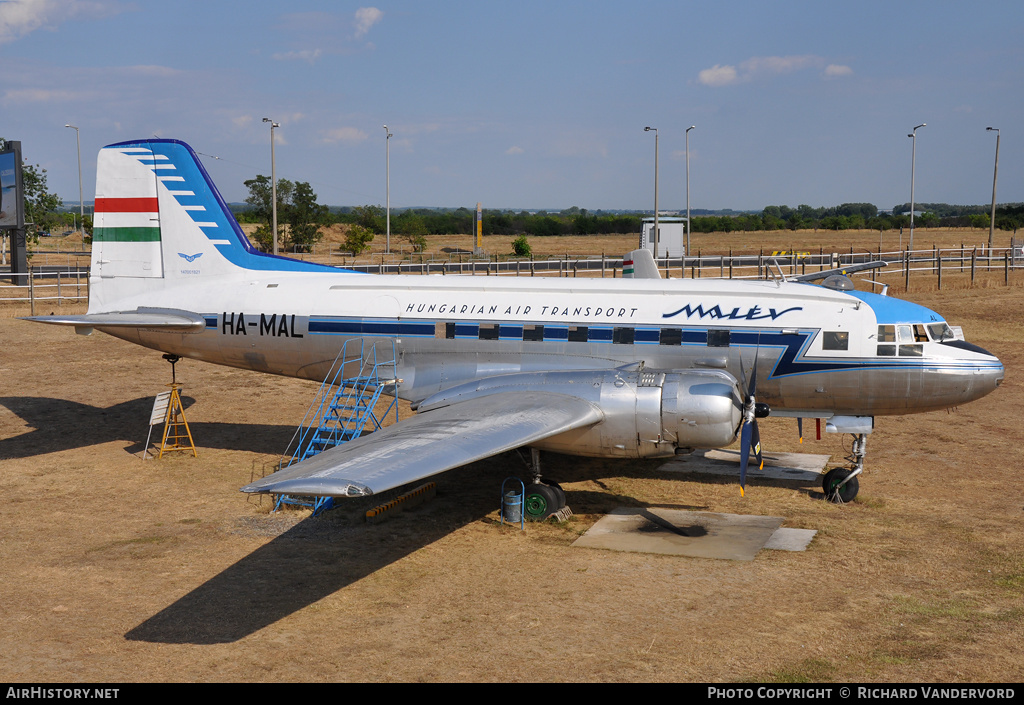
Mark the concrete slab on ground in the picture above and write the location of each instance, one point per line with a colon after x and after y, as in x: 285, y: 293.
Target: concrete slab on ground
x: 697, y: 534
x: 803, y: 467
x: 791, y: 539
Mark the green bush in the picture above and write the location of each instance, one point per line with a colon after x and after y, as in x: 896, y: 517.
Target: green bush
x: 521, y: 247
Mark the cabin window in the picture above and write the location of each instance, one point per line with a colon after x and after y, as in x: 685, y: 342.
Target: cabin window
x: 886, y: 334
x: 718, y: 338
x: 835, y: 340
x: 887, y: 350
x: 623, y: 336
x: 533, y: 332
x: 911, y: 350
x: 671, y: 336
x: 489, y: 331
x: 905, y: 334
x: 920, y: 336
x: 578, y: 334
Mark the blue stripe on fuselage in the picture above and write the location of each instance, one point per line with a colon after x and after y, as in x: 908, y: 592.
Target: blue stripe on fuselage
x: 790, y: 346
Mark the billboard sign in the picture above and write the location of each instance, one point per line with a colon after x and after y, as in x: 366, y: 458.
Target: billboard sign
x: 11, y: 202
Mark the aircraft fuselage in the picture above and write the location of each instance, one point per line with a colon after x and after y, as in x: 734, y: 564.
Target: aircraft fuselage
x: 818, y: 351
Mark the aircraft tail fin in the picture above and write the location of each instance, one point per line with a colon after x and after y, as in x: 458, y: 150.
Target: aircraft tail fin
x: 639, y: 264
x: 159, y: 221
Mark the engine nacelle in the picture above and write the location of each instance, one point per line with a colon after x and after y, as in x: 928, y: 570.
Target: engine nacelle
x: 646, y: 413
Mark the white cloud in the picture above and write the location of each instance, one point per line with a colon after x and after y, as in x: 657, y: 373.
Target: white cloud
x: 308, y: 55
x: 718, y: 75
x: 514, y: 150
x: 759, y: 67
x: 366, y: 17
x: 837, y: 70
x: 21, y: 17
x: 350, y: 135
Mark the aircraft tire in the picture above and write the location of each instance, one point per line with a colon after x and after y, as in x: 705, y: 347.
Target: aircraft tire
x: 831, y: 482
x: 541, y: 501
x: 559, y: 492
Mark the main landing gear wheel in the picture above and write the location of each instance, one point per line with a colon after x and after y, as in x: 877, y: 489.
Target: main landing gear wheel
x: 542, y: 501
x: 832, y: 489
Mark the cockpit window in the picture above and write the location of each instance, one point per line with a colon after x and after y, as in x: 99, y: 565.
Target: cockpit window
x: 909, y: 336
x: 940, y: 331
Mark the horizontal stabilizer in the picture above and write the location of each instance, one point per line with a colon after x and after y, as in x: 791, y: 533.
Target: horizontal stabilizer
x: 165, y: 319
x: 639, y: 264
x: 430, y: 443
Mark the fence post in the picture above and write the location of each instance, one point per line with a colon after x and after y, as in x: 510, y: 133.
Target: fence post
x: 730, y: 263
x: 938, y: 265
x: 974, y: 262
x: 906, y: 269
x: 1006, y: 268
x: 31, y: 292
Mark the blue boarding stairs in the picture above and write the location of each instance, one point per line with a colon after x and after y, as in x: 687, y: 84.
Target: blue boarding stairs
x: 343, y: 408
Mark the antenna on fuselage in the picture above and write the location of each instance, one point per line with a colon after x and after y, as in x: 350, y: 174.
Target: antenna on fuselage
x: 781, y: 277
x: 885, y: 287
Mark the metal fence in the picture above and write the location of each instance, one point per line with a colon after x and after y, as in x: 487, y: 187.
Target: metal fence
x: 48, y: 281
x: 905, y: 264
x: 45, y: 284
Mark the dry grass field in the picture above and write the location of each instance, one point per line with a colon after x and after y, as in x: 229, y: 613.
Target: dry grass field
x: 117, y: 569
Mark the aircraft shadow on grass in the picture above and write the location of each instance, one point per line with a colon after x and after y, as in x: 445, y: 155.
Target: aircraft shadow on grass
x: 312, y: 560
x: 320, y: 556
x: 66, y: 425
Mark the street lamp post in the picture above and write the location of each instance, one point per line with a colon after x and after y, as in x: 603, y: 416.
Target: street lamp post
x: 273, y: 183
x: 687, y: 254
x: 81, y: 204
x: 655, y: 131
x: 995, y: 174
x: 913, y: 162
x: 387, y: 171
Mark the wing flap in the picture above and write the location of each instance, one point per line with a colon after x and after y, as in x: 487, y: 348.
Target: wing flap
x: 432, y: 442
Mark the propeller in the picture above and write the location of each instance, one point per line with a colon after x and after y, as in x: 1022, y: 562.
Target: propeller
x: 750, y: 436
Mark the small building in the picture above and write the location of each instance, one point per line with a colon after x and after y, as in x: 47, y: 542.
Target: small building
x: 672, y: 235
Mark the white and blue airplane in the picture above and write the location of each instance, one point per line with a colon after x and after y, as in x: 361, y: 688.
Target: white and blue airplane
x: 630, y: 368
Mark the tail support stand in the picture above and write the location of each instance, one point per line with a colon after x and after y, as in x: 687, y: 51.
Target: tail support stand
x: 176, y: 428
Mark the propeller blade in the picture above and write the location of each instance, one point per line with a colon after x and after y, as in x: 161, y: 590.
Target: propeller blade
x: 800, y: 428
x: 744, y: 454
x: 753, y: 377
x: 755, y: 445
x: 750, y: 437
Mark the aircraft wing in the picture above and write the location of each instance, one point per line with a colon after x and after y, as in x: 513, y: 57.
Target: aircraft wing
x: 432, y: 442
x: 166, y: 319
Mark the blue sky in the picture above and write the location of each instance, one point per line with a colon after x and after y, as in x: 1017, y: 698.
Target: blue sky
x: 533, y: 104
